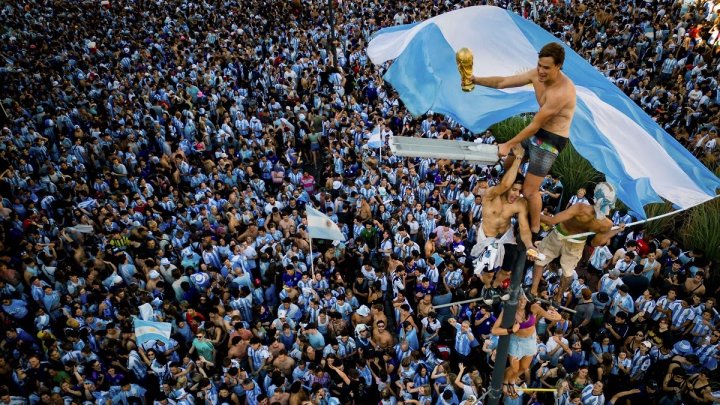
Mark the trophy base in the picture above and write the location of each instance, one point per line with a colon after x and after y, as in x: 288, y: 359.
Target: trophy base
x: 468, y: 88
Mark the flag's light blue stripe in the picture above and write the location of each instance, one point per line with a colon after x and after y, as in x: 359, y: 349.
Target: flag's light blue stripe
x: 375, y: 140
x: 425, y: 75
x: 584, y: 74
x: 320, y: 226
x: 323, y: 233
x: 418, y: 74
x: 147, y: 330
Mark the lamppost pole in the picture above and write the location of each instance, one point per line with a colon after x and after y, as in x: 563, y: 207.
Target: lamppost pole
x: 508, y: 320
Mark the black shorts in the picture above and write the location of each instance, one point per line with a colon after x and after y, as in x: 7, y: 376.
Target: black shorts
x: 542, y: 149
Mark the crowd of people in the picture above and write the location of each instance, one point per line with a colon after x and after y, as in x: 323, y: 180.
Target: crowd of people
x: 163, y: 153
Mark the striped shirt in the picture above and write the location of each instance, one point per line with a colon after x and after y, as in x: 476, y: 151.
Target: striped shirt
x: 454, y: 279
x: 706, y: 352
x: 609, y: 285
x: 643, y: 304
x: 462, y: 341
x: 640, y: 364
x: 588, y: 398
x: 680, y: 315
x: 136, y: 365
x: 258, y: 357
x: 699, y: 330
x: 428, y: 227
x: 624, y: 301
x: 663, y: 303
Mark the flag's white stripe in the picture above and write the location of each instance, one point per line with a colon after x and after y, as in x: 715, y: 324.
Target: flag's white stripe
x: 389, y: 45
x: 147, y: 330
x: 320, y: 226
x: 459, y: 28
x: 642, y: 156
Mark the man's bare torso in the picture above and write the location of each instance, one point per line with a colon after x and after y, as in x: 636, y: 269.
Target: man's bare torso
x: 586, y: 221
x: 497, y: 214
x: 562, y: 88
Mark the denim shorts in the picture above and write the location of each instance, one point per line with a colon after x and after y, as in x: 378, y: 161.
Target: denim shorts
x: 522, y: 346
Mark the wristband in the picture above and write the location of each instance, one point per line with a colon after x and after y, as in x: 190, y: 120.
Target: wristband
x: 509, y: 331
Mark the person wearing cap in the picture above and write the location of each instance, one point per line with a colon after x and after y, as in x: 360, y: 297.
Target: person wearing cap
x: 494, y: 249
x: 610, y: 282
x: 579, y: 218
x: 641, y: 362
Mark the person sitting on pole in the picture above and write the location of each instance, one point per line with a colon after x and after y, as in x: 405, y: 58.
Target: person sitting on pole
x: 577, y: 219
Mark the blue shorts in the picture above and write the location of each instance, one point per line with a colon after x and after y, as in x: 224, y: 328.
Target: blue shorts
x: 521, y: 347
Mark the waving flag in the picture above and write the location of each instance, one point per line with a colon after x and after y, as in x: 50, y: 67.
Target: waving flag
x: 637, y: 156
x: 146, y: 331
x: 375, y: 141
x: 320, y: 226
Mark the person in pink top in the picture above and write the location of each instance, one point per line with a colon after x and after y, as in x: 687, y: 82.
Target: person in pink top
x: 308, y: 182
x: 523, y: 339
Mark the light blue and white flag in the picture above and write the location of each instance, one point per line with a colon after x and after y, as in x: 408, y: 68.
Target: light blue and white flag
x: 320, y: 226
x: 642, y: 161
x: 375, y: 141
x: 146, y: 312
x: 146, y: 331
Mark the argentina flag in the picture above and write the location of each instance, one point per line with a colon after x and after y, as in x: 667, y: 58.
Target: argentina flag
x: 146, y: 331
x: 320, y: 226
x: 642, y: 161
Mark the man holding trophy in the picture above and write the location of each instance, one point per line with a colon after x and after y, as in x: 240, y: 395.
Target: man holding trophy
x: 547, y: 134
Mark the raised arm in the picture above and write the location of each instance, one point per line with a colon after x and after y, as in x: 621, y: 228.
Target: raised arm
x: 562, y: 216
x: 510, y: 174
x: 550, y: 315
x: 503, y: 82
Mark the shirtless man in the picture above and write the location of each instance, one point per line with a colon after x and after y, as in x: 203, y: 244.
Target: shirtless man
x: 430, y: 245
x: 378, y: 313
x: 382, y: 337
x: 495, y: 247
x: 284, y: 363
x: 361, y: 315
x: 579, y: 218
x: 548, y: 132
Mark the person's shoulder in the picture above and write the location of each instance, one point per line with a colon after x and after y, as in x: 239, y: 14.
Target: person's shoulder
x: 567, y: 82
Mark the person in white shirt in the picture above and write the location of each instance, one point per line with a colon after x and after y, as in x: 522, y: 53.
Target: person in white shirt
x: 578, y: 198
x: 556, y: 346
x: 600, y: 258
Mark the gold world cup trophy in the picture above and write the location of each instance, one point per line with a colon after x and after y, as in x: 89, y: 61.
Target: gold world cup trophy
x: 464, y: 60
